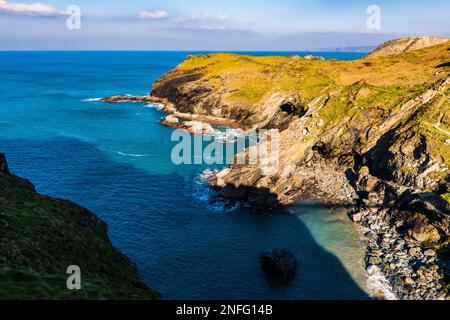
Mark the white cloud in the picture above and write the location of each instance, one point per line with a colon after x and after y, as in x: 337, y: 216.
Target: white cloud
x: 152, y: 15
x: 32, y: 9
x: 203, y: 17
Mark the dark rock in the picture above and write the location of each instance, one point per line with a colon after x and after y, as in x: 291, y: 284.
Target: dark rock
x: 279, y: 265
x: 3, y: 165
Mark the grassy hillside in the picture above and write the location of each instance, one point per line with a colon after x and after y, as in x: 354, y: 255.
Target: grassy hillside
x: 249, y: 78
x: 42, y: 236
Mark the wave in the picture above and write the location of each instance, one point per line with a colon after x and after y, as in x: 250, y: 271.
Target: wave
x: 155, y: 105
x: 92, y: 99
x: 378, y: 285
x: 204, y: 193
x: 227, y: 136
x: 132, y: 154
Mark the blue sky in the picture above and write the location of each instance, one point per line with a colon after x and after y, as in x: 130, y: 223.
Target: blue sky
x: 214, y: 25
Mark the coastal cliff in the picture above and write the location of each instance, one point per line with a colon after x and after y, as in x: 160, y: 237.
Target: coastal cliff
x: 404, y: 45
x: 42, y: 236
x: 387, y: 113
x: 370, y: 135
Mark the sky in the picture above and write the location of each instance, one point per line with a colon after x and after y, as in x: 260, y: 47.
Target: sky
x: 273, y: 25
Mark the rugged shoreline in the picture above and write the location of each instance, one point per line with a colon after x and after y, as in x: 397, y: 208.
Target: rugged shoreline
x: 368, y: 135
x: 408, y: 250
x: 191, y: 123
x: 388, y: 252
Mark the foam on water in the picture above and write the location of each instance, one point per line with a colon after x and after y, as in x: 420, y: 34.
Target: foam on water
x: 226, y: 135
x: 157, y: 106
x: 132, y: 154
x: 206, y: 194
x: 378, y: 285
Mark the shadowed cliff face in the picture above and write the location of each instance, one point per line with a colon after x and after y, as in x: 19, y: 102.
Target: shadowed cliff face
x: 43, y: 236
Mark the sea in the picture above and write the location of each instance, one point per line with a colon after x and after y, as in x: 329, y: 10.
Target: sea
x: 115, y: 160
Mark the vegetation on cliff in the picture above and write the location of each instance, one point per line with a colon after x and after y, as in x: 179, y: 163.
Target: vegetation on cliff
x: 42, y: 236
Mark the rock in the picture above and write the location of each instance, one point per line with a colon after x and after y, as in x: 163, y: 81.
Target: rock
x: 171, y: 119
x: 357, y: 217
x: 198, y: 127
x: 426, y: 234
x: 430, y: 253
x: 415, y: 252
x: 192, y: 127
x: 370, y: 183
x: 312, y: 57
x: 3, y: 165
x: 320, y: 123
x: 409, y: 281
x: 280, y: 265
x: 373, y: 270
x: 374, y: 260
x: 364, y: 171
x: 219, y: 176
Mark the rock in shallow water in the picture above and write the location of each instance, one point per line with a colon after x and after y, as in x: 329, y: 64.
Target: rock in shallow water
x: 279, y: 265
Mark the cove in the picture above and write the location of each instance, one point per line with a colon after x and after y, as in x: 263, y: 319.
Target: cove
x: 115, y: 160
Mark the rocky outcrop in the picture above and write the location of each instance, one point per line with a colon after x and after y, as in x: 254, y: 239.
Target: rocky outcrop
x: 279, y: 265
x: 406, y: 45
x: 192, y: 127
x: 42, y: 236
x: 312, y: 57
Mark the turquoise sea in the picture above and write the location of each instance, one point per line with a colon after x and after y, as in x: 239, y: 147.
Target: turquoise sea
x: 115, y: 160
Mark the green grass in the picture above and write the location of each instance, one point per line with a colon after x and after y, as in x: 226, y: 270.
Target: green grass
x: 446, y: 197
x: 249, y: 78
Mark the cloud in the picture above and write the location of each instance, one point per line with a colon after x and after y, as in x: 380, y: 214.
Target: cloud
x: 32, y: 9
x: 153, y: 15
x: 202, y: 17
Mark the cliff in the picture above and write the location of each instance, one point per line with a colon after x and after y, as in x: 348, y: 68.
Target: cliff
x: 42, y: 236
x: 387, y: 113
x: 371, y: 136
x: 403, y: 45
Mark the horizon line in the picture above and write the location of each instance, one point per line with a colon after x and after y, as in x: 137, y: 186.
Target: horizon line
x: 175, y: 50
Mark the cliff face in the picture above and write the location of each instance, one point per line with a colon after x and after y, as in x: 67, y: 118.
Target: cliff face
x: 390, y: 114
x: 42, y: 236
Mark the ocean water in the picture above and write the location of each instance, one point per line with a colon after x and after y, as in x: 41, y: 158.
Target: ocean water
x: 115, y: 160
